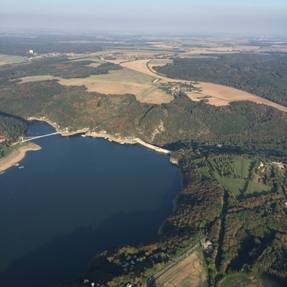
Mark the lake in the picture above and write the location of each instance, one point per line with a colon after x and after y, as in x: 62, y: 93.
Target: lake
x: 76, y: 197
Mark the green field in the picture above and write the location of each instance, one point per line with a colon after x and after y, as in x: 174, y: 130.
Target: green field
x: 257, y: 187
x: 234, y: 185
x: 238, y: 175
x: 9, y: 59
x: 239, y: 280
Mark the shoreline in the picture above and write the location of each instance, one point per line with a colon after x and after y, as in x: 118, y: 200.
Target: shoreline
x: 101, y: 134
x: 17, y: 155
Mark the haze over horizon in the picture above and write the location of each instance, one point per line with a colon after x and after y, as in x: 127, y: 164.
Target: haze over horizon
x: 149, y: 17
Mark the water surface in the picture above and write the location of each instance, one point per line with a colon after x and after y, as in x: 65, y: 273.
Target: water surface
x: 75, y: 197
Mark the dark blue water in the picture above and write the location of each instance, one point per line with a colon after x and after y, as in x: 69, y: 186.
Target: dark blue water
x: 74, y: 198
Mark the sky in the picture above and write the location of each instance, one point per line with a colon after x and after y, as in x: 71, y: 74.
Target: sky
x: 246, y: 17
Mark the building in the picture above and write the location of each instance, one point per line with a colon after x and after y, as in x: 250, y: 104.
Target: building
x: 2, y: 139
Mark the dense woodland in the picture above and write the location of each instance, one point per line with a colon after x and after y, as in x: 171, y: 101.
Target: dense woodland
x: 264, y: 75
x: 11, y: 128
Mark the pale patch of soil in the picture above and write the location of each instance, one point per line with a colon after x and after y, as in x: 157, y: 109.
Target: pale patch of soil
x: 160, y: 129
x: 94, y: 65
x: 39, y: 78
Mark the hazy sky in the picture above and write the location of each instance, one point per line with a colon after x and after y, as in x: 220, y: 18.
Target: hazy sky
x: 263, y: 17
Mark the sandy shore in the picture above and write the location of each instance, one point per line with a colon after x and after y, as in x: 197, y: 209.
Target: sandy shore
x: 16, y: 155
x: 101, y: 134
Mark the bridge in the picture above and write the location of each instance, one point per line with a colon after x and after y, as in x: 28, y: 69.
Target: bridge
x: 28, y: 139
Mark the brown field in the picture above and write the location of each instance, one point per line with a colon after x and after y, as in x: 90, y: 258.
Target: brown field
x: 118, y: 82
x: 122, y: 82
x: 140, y: 66
x: 219, y: 95
x: 118, y: 61
x: 158, y: 62
x: 213, y: 94
x: 39, y: 78
x: 221, y: 50
x: 189, y: 272
x: 95, y: 64
x: 165, y: 45
x: 144, y: 66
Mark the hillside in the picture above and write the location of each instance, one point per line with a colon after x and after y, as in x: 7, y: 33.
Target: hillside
x: 179, y: 121
x: 228, y: 196
x: 264, y: 75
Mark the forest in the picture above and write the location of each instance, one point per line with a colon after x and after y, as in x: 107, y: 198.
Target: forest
x: 11, y: 128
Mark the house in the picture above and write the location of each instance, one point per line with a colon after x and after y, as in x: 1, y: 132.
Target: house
x: 206, y: 244
x: 2, y: 139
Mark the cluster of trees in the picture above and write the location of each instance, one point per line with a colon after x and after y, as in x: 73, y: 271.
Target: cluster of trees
x: 10, y: 129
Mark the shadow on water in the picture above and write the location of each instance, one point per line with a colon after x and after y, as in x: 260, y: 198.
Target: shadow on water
x: 271, y: 281
x: 64, y: 258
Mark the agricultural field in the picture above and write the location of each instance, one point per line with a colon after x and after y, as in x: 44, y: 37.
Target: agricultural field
x: 219, y: 95
x: 11, y: 59
x: 144, y: 66
x: 40, y: 78
x: 189, y: 272
x: 239, y: 280
x: 119, y: 82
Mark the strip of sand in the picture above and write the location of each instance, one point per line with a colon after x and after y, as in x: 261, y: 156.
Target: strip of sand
x: 100, y: 134
x: 16, y: 155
